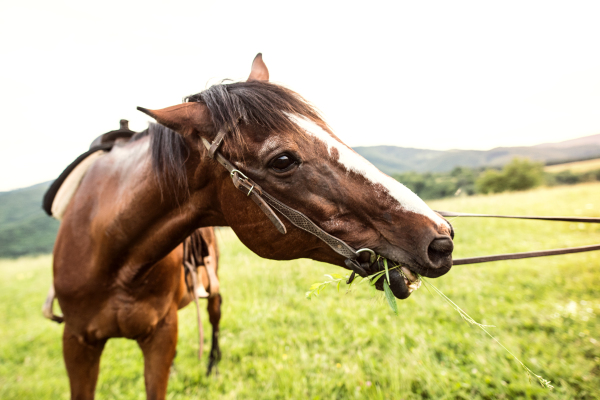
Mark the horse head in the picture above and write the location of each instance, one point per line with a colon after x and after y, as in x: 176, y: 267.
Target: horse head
x: 280, y: 141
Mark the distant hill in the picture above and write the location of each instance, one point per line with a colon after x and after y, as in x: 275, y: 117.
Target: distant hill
x: 592, y: 140
x: 393, y: 159
x: 24, y: 226
x: 26, y: 229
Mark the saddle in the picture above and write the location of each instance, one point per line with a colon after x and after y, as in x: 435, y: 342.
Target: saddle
x: 59, y: 194
x: 61, y: 191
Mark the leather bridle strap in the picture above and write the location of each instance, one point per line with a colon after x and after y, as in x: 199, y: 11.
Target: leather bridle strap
x: 528, y: 254
x: 248, y: 186
x: 265, y: 201
x: 303, y: 222
x: 214, y: 147
x: 566, y: 219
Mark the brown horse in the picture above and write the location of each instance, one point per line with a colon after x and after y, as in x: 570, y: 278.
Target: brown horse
x: 114, y: 266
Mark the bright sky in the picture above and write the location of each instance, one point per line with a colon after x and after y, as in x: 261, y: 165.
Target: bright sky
x: 428, y: 74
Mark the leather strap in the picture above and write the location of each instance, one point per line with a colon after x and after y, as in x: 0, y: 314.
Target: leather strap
x: 266, y: 201
x: 303, y: 222
x: 566, y: 219
x: 214, y: 147
x: 528, y: 254
x: 247, y: 186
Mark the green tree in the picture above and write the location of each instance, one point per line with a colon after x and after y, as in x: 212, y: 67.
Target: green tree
x: 519, y: 174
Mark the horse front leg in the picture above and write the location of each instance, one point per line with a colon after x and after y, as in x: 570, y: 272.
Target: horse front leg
x: 82, y: 360
x: 214, y: 314
x: 159, y: 351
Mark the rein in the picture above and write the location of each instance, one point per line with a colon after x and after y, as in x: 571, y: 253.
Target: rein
x: 527, y: 254
x: 267, y: 203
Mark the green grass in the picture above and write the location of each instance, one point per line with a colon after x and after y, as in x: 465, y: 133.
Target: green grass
x: 278, y: 345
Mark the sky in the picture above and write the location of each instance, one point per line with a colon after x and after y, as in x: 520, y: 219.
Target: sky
x: 428, y: 74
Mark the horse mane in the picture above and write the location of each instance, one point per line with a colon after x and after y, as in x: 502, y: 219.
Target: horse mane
x: 254, y: 103
x: 169, y: 153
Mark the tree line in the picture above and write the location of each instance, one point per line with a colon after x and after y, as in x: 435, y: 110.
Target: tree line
x: 519, y: 174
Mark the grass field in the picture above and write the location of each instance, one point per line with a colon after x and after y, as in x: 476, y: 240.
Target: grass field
x: 575, y: 167
x: 278, y: 345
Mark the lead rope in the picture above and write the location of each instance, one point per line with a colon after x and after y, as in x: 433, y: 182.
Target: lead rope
x: 527, y: 254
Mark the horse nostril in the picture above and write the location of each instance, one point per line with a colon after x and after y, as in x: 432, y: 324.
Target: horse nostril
x: 440, y: 250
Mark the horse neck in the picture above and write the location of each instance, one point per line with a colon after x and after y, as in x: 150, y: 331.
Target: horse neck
x: 141, y: 222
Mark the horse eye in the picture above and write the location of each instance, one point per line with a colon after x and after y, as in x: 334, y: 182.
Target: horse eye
x: 283, y: 163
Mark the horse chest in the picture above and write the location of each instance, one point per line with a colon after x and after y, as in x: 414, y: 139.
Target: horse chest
x: 124, y: 316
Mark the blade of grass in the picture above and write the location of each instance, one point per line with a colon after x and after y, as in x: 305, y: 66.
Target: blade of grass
x: 391, y: 299
x: 543, y: 382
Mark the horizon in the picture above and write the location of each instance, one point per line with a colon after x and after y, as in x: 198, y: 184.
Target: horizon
x: 415, y: 148
x: 436, y: 75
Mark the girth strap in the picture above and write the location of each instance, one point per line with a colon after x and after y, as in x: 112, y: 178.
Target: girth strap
x: 265, y: 201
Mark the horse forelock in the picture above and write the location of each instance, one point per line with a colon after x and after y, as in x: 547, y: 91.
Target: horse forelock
x: 256, y: 104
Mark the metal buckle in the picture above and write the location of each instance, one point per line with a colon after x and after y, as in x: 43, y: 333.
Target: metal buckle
x: 233, y: 171
x: 373, y: 255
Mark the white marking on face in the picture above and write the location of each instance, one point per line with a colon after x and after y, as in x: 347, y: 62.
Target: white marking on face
x: 354, y: 162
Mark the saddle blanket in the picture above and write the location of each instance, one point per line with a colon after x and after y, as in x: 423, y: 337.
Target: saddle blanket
x: 60, y: 193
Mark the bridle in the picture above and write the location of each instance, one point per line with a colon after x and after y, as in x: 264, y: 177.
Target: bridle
x: 267, y: 203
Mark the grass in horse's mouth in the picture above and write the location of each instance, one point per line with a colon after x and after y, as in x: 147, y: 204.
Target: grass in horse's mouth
x: 413, y: 281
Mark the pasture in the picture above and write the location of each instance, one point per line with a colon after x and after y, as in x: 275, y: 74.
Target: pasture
x: 278, y: 345
x: 575, y: 167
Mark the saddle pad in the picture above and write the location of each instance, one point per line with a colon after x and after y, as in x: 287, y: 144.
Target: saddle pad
x: 61, y: 191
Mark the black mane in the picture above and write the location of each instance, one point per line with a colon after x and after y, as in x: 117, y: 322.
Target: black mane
x: 168, y: 152
x: 254, y: 103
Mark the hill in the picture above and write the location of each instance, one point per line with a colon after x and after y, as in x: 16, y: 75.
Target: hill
x: 24, y: 227
x: 393, y: 159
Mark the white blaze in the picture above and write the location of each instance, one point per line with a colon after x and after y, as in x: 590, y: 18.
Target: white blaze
x: 354, y: 162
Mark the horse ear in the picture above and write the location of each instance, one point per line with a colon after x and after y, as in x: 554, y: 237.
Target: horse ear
x: 181, y: 117
x: 259, y: 70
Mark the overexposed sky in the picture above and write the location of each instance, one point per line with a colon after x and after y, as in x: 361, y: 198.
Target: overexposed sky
x: 428, y: 74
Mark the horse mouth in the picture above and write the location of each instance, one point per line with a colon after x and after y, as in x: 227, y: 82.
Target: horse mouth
x: 411, y: 280
x: 403, y: 280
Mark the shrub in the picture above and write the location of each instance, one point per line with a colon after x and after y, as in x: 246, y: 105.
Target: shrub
x: 519, y: 174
